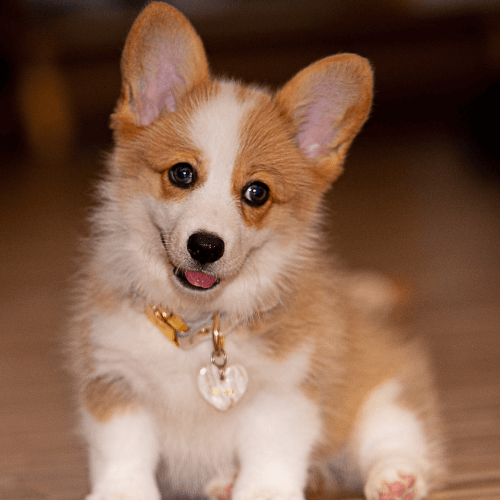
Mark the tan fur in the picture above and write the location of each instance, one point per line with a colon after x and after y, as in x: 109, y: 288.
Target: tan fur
x: 268, y: 154
x: 421, y: 398
x: 313, y: 310
x: 142, y: 166
x: 93, y: 391
x: 104, y: 398
x: 347, y: 365
x: 139, y: 41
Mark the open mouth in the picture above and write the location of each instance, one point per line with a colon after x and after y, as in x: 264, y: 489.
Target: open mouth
x: 196, y: 280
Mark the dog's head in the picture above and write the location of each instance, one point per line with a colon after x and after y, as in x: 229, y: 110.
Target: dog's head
x: 213, y: 192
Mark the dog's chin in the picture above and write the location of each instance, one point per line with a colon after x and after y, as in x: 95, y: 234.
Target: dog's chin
x: 195, y: 281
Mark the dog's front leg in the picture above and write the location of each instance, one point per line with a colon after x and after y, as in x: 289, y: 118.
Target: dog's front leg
x: 123, y: 453
x: 276, y: 436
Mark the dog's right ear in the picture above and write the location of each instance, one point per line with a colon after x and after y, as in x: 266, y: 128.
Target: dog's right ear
x: 163, y: 58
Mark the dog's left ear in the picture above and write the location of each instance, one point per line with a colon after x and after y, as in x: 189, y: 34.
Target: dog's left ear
x: 163, y: 59
x: 329, y: 102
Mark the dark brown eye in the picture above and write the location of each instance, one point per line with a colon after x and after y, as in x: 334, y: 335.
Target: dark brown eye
x: 255, y: 194
x: 182, y: 175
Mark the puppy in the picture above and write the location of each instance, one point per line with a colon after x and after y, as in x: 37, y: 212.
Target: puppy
x: 216, y: 350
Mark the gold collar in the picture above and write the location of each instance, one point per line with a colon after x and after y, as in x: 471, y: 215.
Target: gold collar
x: 175, y: 329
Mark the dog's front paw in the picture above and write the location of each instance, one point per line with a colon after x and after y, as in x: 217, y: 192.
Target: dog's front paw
x: 395, y: 480
x: 146, y: 493
x: 112, y: 496
x: 121, y: 495
x: 266, y: 494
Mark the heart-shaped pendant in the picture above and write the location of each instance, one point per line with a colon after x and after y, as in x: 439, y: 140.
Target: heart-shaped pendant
x: 224, y: 391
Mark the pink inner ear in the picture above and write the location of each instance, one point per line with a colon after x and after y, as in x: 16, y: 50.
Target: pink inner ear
x: 159, y: 84
x: 320, y: 122
x: 312, y: 136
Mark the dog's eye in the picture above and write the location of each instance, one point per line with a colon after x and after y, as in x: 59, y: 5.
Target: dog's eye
x: 255, y: 194
x: 182, y: 175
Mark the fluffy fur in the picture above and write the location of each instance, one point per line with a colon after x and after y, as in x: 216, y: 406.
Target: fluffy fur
x: 333, y: 400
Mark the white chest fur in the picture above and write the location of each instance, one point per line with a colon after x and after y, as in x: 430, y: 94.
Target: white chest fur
x: 198, y: 442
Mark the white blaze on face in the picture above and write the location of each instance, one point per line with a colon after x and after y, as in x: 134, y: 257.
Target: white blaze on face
x: 215, y: 130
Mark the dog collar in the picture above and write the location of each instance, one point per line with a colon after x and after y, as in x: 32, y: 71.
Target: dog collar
x: 220, y: 385
x: 175, y: 330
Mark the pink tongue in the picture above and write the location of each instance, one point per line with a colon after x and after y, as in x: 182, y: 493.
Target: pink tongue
x: 201, y: 280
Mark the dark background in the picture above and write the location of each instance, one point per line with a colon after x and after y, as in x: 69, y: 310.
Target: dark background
x: 435, y: 61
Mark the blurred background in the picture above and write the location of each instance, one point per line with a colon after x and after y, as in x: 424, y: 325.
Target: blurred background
x: 419, y: 200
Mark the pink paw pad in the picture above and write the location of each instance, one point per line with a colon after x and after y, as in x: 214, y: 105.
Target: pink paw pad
x: 227, y: 493
x: 399, y: 490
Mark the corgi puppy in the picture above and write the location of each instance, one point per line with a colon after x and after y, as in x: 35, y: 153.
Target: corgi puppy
x: 217, y: 351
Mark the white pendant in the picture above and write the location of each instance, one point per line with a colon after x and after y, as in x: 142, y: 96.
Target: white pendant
x: 226, y: 392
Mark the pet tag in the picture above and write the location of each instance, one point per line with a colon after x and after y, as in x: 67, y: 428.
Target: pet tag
x: 222, y: 393
x: 222, y: 387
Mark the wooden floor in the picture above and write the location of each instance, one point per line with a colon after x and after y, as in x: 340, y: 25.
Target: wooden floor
x: 408, y: 205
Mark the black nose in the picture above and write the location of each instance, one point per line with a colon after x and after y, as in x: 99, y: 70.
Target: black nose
x: 205, y: 247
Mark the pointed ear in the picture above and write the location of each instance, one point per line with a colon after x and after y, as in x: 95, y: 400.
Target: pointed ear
x: 163, y: 58
x: 329, y: 101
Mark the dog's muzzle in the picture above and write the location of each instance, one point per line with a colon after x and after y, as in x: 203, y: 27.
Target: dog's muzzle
x: 204, y: 248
